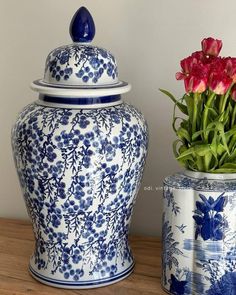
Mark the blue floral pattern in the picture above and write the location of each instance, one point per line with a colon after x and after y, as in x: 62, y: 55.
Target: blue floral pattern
x: 177, y: 287
x: 226, y: 285
x: 91, y: 63
x: 204, y: 232
x: 222, y: 273
x: 210, y: 223
x: 80, y: 171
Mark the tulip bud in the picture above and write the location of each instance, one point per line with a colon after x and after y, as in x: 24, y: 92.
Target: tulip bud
x: 211, y: 46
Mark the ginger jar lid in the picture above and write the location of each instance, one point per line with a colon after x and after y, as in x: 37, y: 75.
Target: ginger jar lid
x: 81, y: 69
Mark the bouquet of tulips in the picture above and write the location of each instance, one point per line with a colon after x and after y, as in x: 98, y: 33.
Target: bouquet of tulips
x: 207, y: 133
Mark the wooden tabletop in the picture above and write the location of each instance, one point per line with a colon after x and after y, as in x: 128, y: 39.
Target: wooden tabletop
x: 16, y: 245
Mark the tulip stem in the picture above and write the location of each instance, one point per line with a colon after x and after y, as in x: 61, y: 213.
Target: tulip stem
x: 223, y: 100
x: 195, y: 107
x: 233, y: 116
x: 204, y: 126
x: 205, y: 114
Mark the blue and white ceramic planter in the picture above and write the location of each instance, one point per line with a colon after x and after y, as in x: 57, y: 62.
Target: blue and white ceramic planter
x: 199, y: 234
x: 80, y: 152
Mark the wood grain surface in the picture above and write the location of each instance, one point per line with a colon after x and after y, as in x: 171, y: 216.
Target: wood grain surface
x: 16, y: 246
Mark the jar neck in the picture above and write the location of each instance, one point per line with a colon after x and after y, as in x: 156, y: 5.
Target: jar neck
x: 213, y: 176
x: 79, y: 102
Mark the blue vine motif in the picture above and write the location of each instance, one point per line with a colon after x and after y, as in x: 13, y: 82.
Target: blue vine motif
x: 170, y: 249
x: 79, y: 171
x: 91, y: 63
x: 210, y: 224
x: 181, y: 228
x: 168, y: 195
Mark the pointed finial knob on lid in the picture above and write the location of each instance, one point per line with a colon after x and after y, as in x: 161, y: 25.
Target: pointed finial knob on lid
x: 82, y: 27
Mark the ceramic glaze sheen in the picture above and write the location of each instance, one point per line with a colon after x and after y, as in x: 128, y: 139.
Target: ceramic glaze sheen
x: 199, y: 234
x: 80, y: 162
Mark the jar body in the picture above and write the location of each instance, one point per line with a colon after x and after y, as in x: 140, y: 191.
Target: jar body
x: 80, y: 170
x: 199, y: 233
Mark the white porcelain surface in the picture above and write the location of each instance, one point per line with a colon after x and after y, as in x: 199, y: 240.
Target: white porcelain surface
x: 119, y: 88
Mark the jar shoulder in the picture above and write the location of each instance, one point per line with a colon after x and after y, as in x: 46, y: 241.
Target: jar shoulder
x: 123, y: 110
x: 200, y: 182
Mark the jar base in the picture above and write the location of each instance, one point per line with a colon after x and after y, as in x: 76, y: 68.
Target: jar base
x: 81, y: 285
x: 165, y: 290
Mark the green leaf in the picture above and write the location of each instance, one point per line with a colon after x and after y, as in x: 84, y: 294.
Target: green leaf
x: 175, y: 147
x: 213, y: 113
x: 199, y: 150
x: 184, y: 124
x: 223, y: 158
x: 207, y: 160
x: 199, y: 162
x: 222, y: 133
x: 202, y: 150
x: 232, y: 156
x: 181, y: 106
x: 187, y: 161
x: 220, y: 149
x: 232, y: 142
x: 188, y: 152
x: 226, y: 168
x: 229, y: 133
x: 220, y: 128
x: 182, y: 149
x: 214, y: 164
x: 200, y: 132
x: 174, y: 123
x: 222, y: 118
x: 183, y: 134
x: 189, y: 102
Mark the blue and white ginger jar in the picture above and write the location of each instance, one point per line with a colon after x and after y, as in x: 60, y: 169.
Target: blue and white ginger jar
x: 199, y: 234
x: 80, y: 151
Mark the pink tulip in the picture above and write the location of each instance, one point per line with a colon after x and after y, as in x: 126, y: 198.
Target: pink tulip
x: 202, y: 58
x: 219, y: 82
x: 199, y: 55
x: 194, y: 74
x: 233, y: 93
x: 196, y: 81
x: 217, y: 65
x: 211, y: 46
x: 200, y: 70
x: 230, y: 67
x: 187, y: 66
x: 195, y: 84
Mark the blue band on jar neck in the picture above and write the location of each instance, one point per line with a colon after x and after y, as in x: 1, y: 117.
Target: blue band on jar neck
x: 80, y: 100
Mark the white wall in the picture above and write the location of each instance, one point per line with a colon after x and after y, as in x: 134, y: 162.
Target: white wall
x: 148, y: 38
